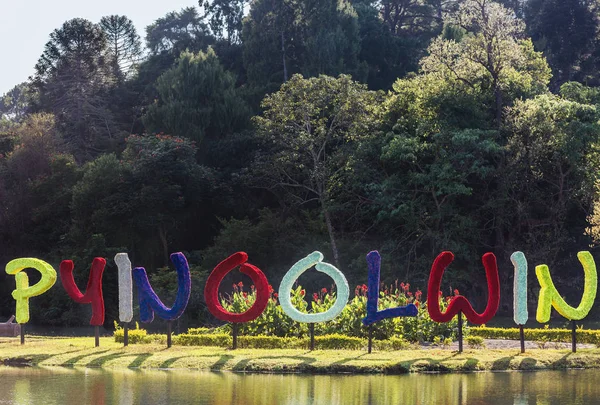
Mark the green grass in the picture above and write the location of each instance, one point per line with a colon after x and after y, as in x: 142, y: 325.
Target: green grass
x: 79, y: 352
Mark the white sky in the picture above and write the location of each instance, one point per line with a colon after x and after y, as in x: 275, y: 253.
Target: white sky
x: 25, y: 27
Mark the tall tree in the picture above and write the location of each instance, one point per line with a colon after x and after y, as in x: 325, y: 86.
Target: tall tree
x: 309, y: 129
x: 71, y: 78
x: 124, y: 44
x: 225, y: 17
x: 178, y: 31
x: 15, y: 103
x: 197, y: 98
x: 490, y: 55
x: 312, y: 37
x: 567, y: 31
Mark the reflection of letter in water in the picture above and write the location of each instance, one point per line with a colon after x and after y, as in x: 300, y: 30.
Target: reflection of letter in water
x: 520, y: 288
x: 549, y: 296
x: 22, y: 392
x: 125, y: 287
x: 373, y: 315
x: 93, y: 292
x: 23, y: 291
x: 343, y: 291
x: 98, y: 390
x: 124, y: 385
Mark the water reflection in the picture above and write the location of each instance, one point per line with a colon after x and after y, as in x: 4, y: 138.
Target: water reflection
x: 128, y: 387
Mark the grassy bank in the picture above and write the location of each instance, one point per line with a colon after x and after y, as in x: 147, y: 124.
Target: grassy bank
x: 79, y: 352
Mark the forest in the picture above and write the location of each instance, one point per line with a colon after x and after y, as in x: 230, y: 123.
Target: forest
x: 281, y: 127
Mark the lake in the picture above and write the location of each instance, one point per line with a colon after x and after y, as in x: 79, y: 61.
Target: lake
x: 66, y: 386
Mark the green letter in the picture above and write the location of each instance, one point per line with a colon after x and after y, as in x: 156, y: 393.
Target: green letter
x: 24, y: 291
x: 549, y: 296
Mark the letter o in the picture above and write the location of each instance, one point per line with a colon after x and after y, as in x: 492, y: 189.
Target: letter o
x: 343, y: 291
x: 211, y: 289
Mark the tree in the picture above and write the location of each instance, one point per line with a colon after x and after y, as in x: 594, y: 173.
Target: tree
x: 491, y: 55
x: 146, y: 200
x: 178, y: 31
x: 123, y: 43
x: 567, y: 31
x: 225, y: 16
x: 197, y: 98
x: 550, y: 176
x: 309, y: 128
x: 15, y: 104
x: 310, y: 37
x: 29, y: 216
x: 71, y: 78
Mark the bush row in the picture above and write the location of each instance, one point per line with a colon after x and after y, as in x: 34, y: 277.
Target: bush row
x: 275, y: 322
x: 553, y: 335
x: 327, y: 342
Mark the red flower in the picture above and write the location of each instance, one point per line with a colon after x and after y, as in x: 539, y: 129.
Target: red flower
x: 364, y: 287
x: 409, y: 294
x: 240, y: 284
x: 456, y: 292
x: 245, y: 295
x: 235, y: 287
x: 406, y: 287
x: 315, y: 297
x: 418, y: 295
x: 324, y: 290
x: 252, y: 287
x: 275, y: 295
x: 302, y: 292
x: 271, y: 288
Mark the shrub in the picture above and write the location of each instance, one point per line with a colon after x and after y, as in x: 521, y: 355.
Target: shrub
x: 475, y: 342
x: 274, y: 321
x: 136, y: 335
x: 552, y: 335
x: 214, y: 339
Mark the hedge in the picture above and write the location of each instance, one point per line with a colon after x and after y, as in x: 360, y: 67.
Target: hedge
x: 325, y: 342
x: 553, y: 335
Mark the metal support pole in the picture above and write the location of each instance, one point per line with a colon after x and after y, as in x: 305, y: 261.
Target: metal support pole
x: 460, y: 332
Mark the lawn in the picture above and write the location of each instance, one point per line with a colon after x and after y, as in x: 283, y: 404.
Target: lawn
x: 79, y: 352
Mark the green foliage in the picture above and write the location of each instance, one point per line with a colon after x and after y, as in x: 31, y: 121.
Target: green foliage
x: 274, y: 322
x: 134, y: 336
x: 197, y: 99
x: 475, y: 342
x: 539, y: 335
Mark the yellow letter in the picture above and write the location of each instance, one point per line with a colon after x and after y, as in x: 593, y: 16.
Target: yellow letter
x: 24, y: 291
x: 549, y: 296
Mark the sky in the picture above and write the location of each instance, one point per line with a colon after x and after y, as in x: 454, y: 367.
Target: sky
x: 25, y: 27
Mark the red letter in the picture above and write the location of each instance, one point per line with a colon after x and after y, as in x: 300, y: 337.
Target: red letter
x: 211, y: 289
x: 460, y: 303
x: 93, y: 293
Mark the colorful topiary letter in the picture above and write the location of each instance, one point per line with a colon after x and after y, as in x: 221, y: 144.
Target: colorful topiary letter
x: 23, y: 291
x: 460, y: 303
x: 549, y: 296
x: 93, y: 293
x: 343, y: 291
x: 125, y: 287
x: 211, y: 289
x: 520, y: 288
x: 149, y: 301
x: 373, y: 315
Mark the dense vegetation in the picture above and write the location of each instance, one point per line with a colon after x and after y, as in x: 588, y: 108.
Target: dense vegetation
x: 288, y: 126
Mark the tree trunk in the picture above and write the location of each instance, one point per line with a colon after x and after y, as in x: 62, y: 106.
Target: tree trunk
x: 285, y: 72
x: 499, y: 102
x: 162, y: 234
x: 334, y: 249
